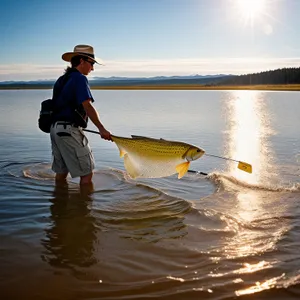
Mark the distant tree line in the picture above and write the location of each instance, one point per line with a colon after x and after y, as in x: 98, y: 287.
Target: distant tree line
x: 274, y: 77
x: 279, y: 76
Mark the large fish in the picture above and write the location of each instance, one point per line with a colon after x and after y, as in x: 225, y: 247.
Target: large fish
x: 152, y: 158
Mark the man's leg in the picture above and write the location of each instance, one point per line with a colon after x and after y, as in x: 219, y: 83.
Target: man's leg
x: 75, y: 153
x: 61, y: 177
x: 86, y: 179
x: 58, y: 164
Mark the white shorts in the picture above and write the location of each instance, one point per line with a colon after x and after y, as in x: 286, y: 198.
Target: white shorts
x: 71, y: 151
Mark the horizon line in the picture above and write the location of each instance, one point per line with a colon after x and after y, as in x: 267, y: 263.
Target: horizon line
x: 152, y: 68
x: 149, y: 77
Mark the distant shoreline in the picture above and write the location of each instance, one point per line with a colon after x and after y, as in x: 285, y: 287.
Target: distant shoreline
x: 292, y: 87
x: 268, y: 87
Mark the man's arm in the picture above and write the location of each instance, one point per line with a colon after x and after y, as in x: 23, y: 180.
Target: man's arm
x: 94, y: 116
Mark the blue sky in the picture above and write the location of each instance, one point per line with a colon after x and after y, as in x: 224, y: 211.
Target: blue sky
x: 149, y: 37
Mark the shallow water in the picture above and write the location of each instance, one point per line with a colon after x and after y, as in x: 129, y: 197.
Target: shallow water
x: 226, y: 235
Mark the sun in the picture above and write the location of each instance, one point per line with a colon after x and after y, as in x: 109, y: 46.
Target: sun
x: 249, y: 10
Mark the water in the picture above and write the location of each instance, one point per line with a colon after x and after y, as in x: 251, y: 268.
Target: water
x: 223, y: 236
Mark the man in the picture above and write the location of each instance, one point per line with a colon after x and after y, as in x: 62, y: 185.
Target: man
x: 73, y: 106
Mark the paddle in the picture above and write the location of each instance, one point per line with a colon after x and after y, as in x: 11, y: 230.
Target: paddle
x: 242, y: 165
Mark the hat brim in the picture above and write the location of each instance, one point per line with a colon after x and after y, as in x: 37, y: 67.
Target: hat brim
x: 69, y: 55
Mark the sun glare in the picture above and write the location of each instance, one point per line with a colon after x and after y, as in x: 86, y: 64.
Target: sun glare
x: 248, y: 135
x: 250, y: 9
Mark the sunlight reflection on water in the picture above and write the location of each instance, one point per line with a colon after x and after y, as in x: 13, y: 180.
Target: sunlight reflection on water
x: 260, y: 286
x: 248, y: 133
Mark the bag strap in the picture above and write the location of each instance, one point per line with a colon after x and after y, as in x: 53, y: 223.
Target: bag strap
x: 65, y: 79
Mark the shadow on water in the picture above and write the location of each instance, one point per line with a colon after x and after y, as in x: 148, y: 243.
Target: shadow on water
x: 69, y: 240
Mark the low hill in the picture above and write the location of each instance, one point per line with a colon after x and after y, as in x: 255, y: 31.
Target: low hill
x: 285, y: 76
x: 278, y: 76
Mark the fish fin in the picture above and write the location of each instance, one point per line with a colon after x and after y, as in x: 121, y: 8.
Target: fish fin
x: 182, y: 169
x: 139, y: 137
x: 122, y: 153
x: 130, y: 168
x: 146, y: 138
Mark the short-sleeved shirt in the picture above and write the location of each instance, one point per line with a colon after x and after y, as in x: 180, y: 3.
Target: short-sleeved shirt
x: 69, y: 93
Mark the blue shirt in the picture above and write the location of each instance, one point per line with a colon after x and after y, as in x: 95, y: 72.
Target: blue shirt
x: 69, y: 95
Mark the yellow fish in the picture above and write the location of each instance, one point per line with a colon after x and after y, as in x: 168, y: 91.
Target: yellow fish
x: 152, y: 158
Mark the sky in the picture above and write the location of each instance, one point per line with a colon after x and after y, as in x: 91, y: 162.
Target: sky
x: 146, y: 38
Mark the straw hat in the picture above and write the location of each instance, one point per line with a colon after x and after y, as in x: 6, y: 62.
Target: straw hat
x: 83, y: 50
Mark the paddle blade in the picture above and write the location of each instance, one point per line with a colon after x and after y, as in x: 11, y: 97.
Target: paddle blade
x: 245, y: 167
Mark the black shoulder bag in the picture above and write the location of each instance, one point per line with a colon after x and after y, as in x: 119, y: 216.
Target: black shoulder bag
x: 48, y: 109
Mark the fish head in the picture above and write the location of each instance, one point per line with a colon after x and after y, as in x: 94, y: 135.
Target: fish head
x: 193, y: 153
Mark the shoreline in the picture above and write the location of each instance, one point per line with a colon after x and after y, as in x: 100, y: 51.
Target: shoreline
x: 263, y: 87
x: 292, y: 87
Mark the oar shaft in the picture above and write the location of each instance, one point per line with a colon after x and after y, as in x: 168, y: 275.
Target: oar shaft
x: 92, y: 131
x: 226, y: 158
x: 242, y: 165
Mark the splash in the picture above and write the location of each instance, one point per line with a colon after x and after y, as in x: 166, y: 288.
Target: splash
x: 228, y: 182
x: 40, y: 171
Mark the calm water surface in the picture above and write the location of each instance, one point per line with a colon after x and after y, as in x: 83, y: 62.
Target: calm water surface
x: 227, y: 235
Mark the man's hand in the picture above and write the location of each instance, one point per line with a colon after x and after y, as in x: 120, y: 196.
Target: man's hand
x: 106, y: 135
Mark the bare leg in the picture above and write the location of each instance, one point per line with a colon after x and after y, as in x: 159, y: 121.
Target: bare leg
x: 86, y: 189
x: 61, y: 178
x: 87, y: 179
